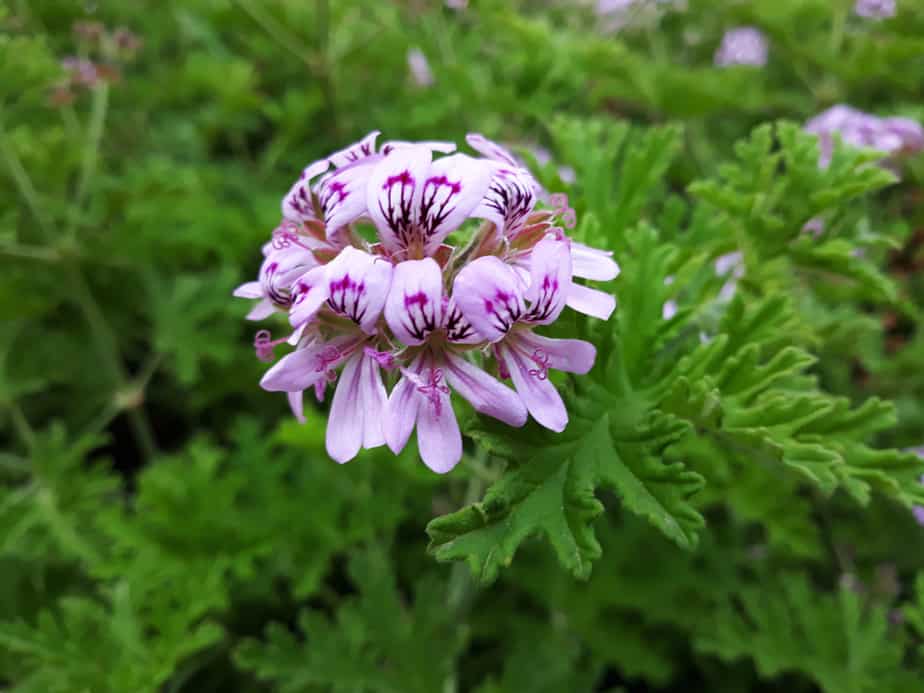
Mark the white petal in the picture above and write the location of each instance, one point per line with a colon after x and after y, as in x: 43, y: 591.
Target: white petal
x: 550, y: 281
x: 360, y: 150
x: 490, y: 296
x: 297, y: 404
x: 458, y: 329
x: 393, y: 195
x: 490, y: 149
x: 414, y: 306
x: 438, y: 436
x: 263, y: 309
x: 592, y: 263
x: 570, y: 355
x: 345, y: 422
x: 249, y: 290
x: 537, y: 392
x: 509, y: 200
x: 374, y: 399
x: 342, y: 195
x: 298, y: 204
x: 400, y: 415
x: 308, y: 294
x: 453, y: 188
x: 486, y: 394
x: 357, y: 286
x: 596, y: 304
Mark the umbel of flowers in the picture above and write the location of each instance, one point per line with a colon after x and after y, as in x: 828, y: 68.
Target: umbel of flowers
x: 410, y: 308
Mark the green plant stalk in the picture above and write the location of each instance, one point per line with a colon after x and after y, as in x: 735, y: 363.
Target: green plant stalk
x: 103, y: 336
x: 91, y: 150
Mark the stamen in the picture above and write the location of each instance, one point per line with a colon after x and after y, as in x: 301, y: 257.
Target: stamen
x: 433, y: 388
x: 385, y: 359
x: 563, y: 210
x: 329, y: 355
x: 284, y: 238
x: 265, y: 346
x: 542, y: 361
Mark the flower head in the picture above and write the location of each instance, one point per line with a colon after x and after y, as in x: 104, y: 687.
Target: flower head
x: 875, y: 9
x: 414, y: 308
x: 744, y: 45
x: 892, y: 136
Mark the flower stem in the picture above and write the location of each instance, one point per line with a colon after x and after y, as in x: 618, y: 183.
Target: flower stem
x: 91, y: 150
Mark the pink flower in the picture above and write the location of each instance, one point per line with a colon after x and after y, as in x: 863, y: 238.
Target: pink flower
x: 359, y: 308
x: 422, y: 318
x: 875, y: 9
x: 419, y: 67
x: 744, y: 45
x: 892, y: 136
x: 350, y: 292
x: 510, y: 204
x: 504, y: 310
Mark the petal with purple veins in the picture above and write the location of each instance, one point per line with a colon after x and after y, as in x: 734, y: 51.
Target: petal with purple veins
x: 342, y: 195
x: 309, y: 292
x: 393, y: 195
x: 509, y: 199
x: 355, y: 152
x: 550, y: 281
x: 452, y: 189
x: 357, y: 286
x: 414, y: 307
x: 490, y: 296
x: 490, y: 149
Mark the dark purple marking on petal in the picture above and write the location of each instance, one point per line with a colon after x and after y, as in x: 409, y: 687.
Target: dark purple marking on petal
x: 458, y: 329
x: 419, y: 321
x: 398, y: 214
x: 512, y: 197
x: 544, y: 305
x: 345, y: 297
x: 503, y: 310
x: 438, y: 192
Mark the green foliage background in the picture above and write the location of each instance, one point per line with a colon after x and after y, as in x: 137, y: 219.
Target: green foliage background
x: 729, y: 509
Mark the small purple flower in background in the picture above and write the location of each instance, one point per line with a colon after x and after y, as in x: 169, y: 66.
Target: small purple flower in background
x: 419, y: 67
x: 622, y: 14
x: 731, y: 265
x: 744, y: 45
x: 918, y: 510
x: 875, y: 9
x: 892, y: 136
x: 411, y: 304
x: 457, y: 4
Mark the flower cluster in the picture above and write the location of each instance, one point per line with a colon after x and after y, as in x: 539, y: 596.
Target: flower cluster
x: 434, y: 318
x: 892, y: 136
x: 107, y: 48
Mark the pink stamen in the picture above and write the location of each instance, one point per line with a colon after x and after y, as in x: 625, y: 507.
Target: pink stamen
x: 563, y: 210
x: 265, y: 345
x: 542, y: 361
x: 385, y: 359
x: 283, y: 238
x: 329, y: 355
x: 433, y: 388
